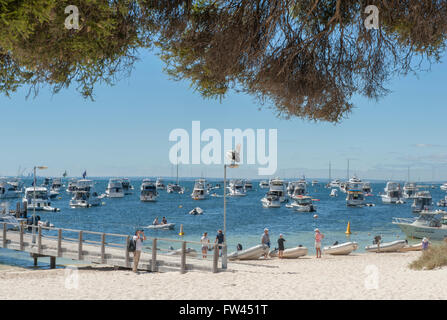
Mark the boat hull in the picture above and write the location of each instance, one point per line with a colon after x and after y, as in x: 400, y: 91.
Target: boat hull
x: 341, y: 249
x: 394, y: 246
x: 252, y: 253
x: 292, y: 253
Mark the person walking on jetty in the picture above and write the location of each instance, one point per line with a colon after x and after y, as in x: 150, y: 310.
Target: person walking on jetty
x: 219, y: 240
x: 139, y: 237
x: 281, y: 241
x: 205, y: 244
x: 318, y: 237
x: 265, y: 240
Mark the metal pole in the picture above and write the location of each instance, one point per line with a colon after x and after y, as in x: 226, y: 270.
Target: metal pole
x: 224, y: 249
x: 34, y: 205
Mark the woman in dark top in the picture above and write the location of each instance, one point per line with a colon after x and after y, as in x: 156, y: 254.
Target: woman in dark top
x: 281, y: 241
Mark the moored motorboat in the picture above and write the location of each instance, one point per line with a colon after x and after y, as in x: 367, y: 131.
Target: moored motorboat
x: 303, y: 204
x: 252, y: 253
x: 148, y: 191
x: 393, y: 246
x: 430, y: 224
x: 115, y: 188
x: 292, y: 253
x: 165, y: 226
x: 334, y: 193
x: 442, y: 202
x: 271, y: 201
x: 196, y: 211
x: 423, y: 201
x: 413, y: 247
x: 341, y: 249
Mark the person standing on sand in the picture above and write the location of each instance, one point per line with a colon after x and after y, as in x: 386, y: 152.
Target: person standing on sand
x: 281, y: 241
x: 139, y: 237
x: 425, y: 244
x: 318, y: 237
x: 219, y: 240
x: 265, y: 240
x: 205, y: 243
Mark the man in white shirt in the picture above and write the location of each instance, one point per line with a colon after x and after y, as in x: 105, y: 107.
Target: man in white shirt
x: 139, y: 237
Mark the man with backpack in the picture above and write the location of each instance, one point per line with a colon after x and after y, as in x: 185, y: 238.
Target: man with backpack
x: 137, y: 239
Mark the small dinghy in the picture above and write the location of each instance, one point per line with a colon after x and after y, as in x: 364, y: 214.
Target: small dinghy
x: 252, y: 253
x: 292, y: 253
x: 341, y: 249
x: 393, y: 246
x: 189, y: 252
x: 196, y: 211
x: 166, y: 226
x: 414, y: 247
x: 48, y: 208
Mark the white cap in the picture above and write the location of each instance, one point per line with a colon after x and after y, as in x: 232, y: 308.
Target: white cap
x: 316, y: 230
x: 266, y: 229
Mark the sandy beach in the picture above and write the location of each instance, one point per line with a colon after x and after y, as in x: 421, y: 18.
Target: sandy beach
x: 358, y: 276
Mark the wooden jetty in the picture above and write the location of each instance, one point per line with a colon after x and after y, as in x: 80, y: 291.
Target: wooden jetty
x: 103, y: 248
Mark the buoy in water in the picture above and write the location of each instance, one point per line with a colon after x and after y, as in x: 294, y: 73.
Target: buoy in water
x: 315, y: 216
x: 348, y: 229
x: 181, y: 233
x: 180, y: 206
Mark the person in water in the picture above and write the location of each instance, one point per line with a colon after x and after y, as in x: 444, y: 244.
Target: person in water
x: 265, y: 240
x: 156, y: 222
x: 318, y: 237
x: 164, y: 221
x: 281, y: 241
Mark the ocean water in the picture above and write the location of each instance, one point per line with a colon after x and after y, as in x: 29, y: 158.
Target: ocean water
x: 246, y: 218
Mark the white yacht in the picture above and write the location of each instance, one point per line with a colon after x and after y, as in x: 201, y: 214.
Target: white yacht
x: 271, y: 200
x: 115, y: 188
x: 442, y: 202
x: 175, y: 188
x: 71, y: 187
x: 334, y: 183
x: 9, y: 191
x: 355, y: 179
x: 410, y: 190
x: 127, y: 187
x: 277, y: 187
x: 159, y: 184
x: 303, y: 204
x: 199, y: 192
x: 148, y: 191
x: 367, y: 188
x: 248, y: 186
x: 263, y: 184
x: 393, y: 193
x: 56, y: 185
x: 299, y: 191
x: 37, y: 198
x: 444, y: 187
x: 85, y: 196
x: 429, y: 224
x: 422, y: 202
x: 334, y: 193
x: 236, y: 188
x: 355, y: 196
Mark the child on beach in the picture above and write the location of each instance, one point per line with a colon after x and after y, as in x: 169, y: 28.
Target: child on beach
x: 205, y: 243
x: 318, y: 237
x: 281, y: 241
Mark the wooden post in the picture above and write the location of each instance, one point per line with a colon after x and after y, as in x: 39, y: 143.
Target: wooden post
x: 18, y: 210
x: 80, y: 246
x: 154, y: 255
x: 35, y: 260
x: 39, y: 239
x: 22, y: 229
x: 103, y: 248
x: 127, y: 252
x: 183, y: 258
x: 59, y: 242
x: 215, y: 257
x: 25, y: 209
x: 4, y: 234
x: 52, y: 262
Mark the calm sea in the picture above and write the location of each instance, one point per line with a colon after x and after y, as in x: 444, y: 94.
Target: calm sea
x: 246, y: 218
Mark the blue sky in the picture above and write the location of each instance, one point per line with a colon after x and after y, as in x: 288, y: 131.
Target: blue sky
x: 124, y: 132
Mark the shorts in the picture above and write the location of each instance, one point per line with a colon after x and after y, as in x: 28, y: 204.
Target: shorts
x: 317, y: 245
x: 204, y: 249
